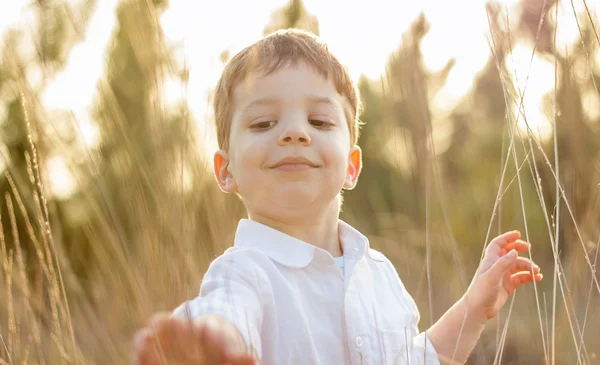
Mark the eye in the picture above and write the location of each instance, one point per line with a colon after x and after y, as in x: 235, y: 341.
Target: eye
x: 263, y: 125
x: 319, y: 123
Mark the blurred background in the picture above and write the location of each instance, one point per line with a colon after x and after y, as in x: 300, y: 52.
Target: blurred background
x: 480, y: 117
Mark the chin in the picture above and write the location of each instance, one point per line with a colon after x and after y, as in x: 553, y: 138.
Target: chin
x: 294, y: 198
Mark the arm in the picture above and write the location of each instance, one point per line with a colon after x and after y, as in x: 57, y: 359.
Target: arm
x: 500, y: 272
x: 444, y: 334
x: 208, y: 339
x: 230, y: 291
x: 220, y: 326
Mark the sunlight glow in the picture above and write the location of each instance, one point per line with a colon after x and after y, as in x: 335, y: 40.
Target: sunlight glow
x: 507, y: 3
x: 399, y: 151
x: 382, y: 20
x: 182, y: 178
x: 87, y: 130
x: 3, y: 157
x: 62, y: 183
x: 35, y: 76
x: 568, y: 35
x: 203, y: 33
x: 465, y: 42
x: 536, y: 81
x: 12, y: 15
x: 366, y: 35
x: 591, y: 104
x: 19, y: 15
x: 75, y: 87
x: 363, y: 38
x: 172, y: 91
x: 74, y: 90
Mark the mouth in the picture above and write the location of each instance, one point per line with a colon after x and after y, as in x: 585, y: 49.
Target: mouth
x: 294, y: 163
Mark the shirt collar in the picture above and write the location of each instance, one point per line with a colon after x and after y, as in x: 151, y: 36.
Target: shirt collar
x: 292, y: 252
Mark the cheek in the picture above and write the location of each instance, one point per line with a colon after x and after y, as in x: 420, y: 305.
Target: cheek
x: 335, y: 156
x: 247, y: 160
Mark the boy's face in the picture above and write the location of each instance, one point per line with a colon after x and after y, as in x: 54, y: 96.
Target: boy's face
x: 289, y: 143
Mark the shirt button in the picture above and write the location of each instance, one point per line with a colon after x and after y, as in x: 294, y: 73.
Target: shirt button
x: 356, y: 249
x: 359, y: 341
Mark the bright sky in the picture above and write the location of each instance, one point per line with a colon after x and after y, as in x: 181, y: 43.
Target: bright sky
x: 363, y: 38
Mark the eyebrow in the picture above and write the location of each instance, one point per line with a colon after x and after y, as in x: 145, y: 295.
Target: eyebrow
x: 323, y: 100
x: 312, y: 99
x: 259, y: 102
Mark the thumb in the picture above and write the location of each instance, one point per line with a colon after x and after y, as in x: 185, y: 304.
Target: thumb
x: 503, y: 264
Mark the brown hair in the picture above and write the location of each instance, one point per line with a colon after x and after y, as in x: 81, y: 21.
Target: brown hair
x: 270, y: 54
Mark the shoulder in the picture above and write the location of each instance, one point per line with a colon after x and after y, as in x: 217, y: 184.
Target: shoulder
x: 394, y: 283
x: 385, y: 264
x: 242, y: 255
x: 245, y: 262
x: 378, y: 256
x: 381, y: 263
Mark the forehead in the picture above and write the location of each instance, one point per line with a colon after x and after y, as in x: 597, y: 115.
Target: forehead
x: 293, y: 83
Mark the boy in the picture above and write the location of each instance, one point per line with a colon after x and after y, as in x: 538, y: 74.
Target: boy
x: 299, y: 285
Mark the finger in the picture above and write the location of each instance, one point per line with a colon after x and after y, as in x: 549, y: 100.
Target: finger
x: 210, y: 339
x: 141, y: 339
x: 236, y: 344
x: 523, y: 277
x: 182, y: 341
x: 159, y: 327
x: 146, y: 358
x: 224, y: 340
x: 158, y: 318
x: 245, y: 359
x: 165, y: 337
x: 503, y: 264
x: 250, y: 357
x: 502, y: 240
x: 143, y: 348
x: 524, y: 264
x: 519, y: 245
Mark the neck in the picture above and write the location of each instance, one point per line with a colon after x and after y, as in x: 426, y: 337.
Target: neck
x: 320, y: 230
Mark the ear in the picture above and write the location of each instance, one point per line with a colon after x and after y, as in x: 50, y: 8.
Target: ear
x: 222, y: 174
x: 354, y: 168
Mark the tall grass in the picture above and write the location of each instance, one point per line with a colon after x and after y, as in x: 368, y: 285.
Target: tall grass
x: 77, y: 282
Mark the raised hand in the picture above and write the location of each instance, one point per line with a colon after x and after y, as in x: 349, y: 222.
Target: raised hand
x: 500, y: 273
x: 206, y: 340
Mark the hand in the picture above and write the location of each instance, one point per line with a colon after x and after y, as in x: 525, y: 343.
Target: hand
x: 206, y: 340
x: 500, y: 273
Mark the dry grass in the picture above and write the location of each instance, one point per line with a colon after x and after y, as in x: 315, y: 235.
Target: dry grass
x: 78, y: 282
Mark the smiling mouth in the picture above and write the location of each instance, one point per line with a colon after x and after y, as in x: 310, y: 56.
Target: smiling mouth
x: 293, y: 167
x: 294, y: 163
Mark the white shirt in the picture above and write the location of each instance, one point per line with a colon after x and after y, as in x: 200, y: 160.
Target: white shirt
x: 340, y: 263
x: 292, y: 304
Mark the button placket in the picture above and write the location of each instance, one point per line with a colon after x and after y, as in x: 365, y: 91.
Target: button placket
x: 358, y: 330
x: 355, y: 341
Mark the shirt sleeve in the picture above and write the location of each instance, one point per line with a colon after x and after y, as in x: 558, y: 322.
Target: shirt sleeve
x: 423, y: 351
x: 229, y: 289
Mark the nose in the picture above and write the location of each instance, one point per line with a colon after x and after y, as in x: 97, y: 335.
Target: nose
x: 294, y: 133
